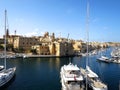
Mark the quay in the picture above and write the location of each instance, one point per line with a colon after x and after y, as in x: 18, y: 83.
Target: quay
x: 37, y: 56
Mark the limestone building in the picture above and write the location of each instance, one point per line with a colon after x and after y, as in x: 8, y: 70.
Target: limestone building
x: 25, y: 42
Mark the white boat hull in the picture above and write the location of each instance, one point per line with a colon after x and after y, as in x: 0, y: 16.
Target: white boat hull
x: 68, y: 81
x: 6, y: 76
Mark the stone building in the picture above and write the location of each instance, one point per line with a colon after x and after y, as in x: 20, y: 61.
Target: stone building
x: 64, y: 49
x: 25, y: 42
x: 77, y: 45
x: 54, y: 48
x: 41, y: 49
x: 44, y: 45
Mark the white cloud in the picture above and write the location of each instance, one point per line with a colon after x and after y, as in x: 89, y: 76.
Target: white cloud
x: 36, y: 32
x: 42, y: 33
x: 33, y: 33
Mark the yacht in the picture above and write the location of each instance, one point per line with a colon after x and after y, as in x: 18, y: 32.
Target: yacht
x: 93, y: 80
x: 104, y: 59
x: 6, y: 74
x: 71, y: 78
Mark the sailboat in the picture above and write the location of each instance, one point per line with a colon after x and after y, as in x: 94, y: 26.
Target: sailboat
x: 92, y: 79
x: 104, y: 58
x: 6, y: 74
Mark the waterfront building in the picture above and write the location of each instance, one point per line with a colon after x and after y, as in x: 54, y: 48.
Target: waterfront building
x: 25, y: 43
x: 49, y: 45
x: 64, y: 49
x: 55, y: 48
x: 52, y: 48
x: 41, y: 49
x: 77, y: 46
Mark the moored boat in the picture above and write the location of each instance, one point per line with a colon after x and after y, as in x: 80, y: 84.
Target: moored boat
x: 104, y: 59
x: 6, y: 74
x: 93, y: 80
x: 71, y: 78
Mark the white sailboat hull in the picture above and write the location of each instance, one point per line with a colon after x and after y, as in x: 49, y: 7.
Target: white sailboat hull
x: 6, y: 75
x: 104, y: 59
x: 94, y: 88
x: 93, y: 80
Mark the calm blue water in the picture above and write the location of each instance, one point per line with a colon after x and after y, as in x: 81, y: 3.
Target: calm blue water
x: 44, y: 73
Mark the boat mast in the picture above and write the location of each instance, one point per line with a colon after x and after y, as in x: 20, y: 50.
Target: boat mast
x: 5, y: 41
x: 87, y: 42
x: 87, y: 31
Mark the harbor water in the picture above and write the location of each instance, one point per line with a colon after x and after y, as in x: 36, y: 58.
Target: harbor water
x: 44, y: 73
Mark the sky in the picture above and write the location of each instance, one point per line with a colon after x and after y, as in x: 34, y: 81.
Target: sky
x: 63, y: 17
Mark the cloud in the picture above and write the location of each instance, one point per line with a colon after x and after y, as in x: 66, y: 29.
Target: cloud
x: 42, y: 33
x: 37, y: 32
x: 33, y: 33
